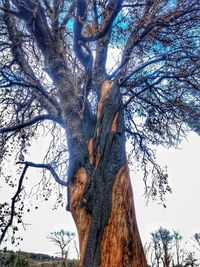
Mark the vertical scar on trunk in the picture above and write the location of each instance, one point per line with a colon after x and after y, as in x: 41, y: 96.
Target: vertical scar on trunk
x: 105, y: 90
x: 90, y: 145
x: 114, y: 124
x: 81, y: 217
x: 121, y: 244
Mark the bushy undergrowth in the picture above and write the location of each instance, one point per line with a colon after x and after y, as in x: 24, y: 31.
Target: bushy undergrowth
x: 24, y: 259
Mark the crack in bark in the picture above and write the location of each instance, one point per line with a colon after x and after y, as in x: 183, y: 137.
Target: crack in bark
x: 110, y: 156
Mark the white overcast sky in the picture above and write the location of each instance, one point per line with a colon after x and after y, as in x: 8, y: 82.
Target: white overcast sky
x: 182, y: 212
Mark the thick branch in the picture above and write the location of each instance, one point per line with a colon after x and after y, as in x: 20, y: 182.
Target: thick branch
x: 48, y: 167
x: 60, y: 72
x: 31, y: 122
x: 9, y: 11
x: 112, y: 10
x: 49, y: 103
x: 86, y: 59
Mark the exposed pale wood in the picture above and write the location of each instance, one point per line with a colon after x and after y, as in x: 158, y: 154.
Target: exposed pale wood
x: 81, y: 217
x: 90, y: 144
x: 114, y: 124
x: 121, y: 244
x: 105, y: 90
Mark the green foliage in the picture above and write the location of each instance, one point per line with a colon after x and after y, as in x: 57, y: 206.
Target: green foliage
x: 21, y: 261
x: 72, y: 263
x: 25, y: 259
x: 12, y: 259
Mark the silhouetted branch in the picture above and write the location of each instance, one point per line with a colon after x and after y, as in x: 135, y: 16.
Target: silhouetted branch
x: 19, y: 189
x: 9, y: 11
x: 45, y: 166
x: 14, y: 200
x: 162, y: 58
x: 68, y: 15
x: 113, y: 9
x: 31, y: 122
x: 153, y: 61
x: 50, y: 103
x: 133, y: 5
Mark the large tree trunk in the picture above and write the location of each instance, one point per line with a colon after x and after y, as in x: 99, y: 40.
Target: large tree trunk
x: 120, y: 244
x: 101, y: 199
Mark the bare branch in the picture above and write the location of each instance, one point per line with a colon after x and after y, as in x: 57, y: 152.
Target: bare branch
x: 153, y: 61
x: 112, y: 10
x: 86, y: 59
x: 11, y: 12
x: 68, y: 15
x: 42, y: 96
x: 14, y: 200
x: 19, y: 189
x: 31, y: 122
x: 48, y: 167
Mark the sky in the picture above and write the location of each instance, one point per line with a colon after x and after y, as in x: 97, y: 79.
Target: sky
x: 182, y: 212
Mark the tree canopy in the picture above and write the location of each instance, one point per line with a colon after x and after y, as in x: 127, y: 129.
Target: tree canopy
x: 54, y: 57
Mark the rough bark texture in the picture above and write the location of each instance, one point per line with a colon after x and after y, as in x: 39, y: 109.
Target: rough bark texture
x: 101, y: 195
x: 121, y: 244
x: 81, y: 217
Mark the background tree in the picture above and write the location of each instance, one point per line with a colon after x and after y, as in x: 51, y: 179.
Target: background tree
x: 196, y: 239
x: 157, y: 253
x: 177, y: 240
x: 54, y: 79
x: 166, y: 249
x: 166, y: 239
x: 191, y: 260
x: 62, y: 240
x: 162, y: 241
x: 148, y: 252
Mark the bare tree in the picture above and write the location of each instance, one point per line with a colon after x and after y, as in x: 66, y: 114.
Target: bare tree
x: 157, y: 249
x: 62, y: 240
x: 54, y: 79
x: 177, y: 239
x: 191, y: 260
x: 162, y: 243
x: 196, y: 239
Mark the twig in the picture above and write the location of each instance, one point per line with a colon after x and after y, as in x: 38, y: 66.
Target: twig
x: 19, y: 189
x: 14, y: 200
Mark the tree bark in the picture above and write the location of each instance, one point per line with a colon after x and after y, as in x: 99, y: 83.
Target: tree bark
x: 101, y: 199
x: 121, y: 244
